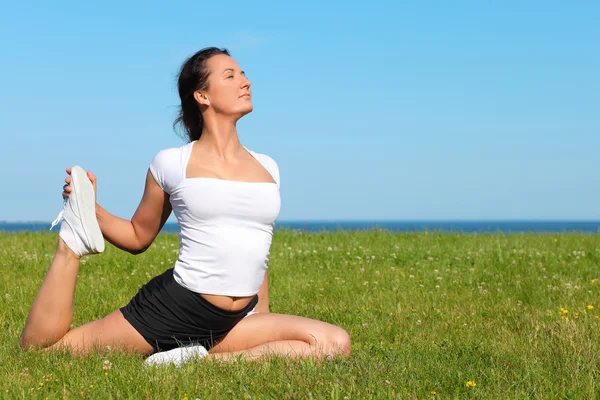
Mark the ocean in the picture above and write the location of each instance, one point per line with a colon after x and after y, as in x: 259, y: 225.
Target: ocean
x: 506, y: 227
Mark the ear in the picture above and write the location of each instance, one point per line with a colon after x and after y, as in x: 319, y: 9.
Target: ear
x: 201, y: 98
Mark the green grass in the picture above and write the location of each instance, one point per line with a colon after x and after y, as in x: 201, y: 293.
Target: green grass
x: 426, y: 313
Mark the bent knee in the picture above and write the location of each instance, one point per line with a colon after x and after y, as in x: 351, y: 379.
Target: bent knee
x: 340, y: 340
x: 29, y: 343
x: 337, y: 342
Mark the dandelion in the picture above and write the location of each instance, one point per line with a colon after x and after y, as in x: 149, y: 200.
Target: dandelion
x: 433, y: 393
x: 590, y: 307
x: 563, y: 311
x: 470, y: 384
x: 594, y: 281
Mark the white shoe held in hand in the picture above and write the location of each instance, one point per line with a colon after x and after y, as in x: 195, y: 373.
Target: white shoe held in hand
x: 79, y: 228
x: 177, y: 356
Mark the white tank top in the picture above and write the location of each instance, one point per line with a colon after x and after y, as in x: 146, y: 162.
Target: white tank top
x: 226, y: 226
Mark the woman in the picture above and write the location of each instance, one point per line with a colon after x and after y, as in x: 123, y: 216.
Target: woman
x: 226, y: 199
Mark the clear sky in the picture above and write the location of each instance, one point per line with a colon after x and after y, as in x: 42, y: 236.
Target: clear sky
x: 373, y: 109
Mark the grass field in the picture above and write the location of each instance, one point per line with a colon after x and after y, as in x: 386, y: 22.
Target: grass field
x: 430, y: 316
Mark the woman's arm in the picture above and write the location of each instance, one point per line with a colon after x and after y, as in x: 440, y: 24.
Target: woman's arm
x: 263, y: 296
x: 134, y: 236
x: 137, y: 235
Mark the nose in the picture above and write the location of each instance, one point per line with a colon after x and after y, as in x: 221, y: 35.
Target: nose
x: 246, y: 83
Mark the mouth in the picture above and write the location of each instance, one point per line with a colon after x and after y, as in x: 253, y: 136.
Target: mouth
x: 245, y: 95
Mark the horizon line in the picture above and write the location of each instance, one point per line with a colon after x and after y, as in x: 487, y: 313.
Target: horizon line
x: 379, y: 220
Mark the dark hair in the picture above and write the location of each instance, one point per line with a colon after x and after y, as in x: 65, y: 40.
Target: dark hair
x: 192, y: 77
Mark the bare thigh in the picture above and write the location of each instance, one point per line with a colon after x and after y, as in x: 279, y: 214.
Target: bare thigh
x: 113, y: 330
x: 262, y: 328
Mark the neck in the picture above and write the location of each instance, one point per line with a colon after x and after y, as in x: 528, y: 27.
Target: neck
x: 220, y: 137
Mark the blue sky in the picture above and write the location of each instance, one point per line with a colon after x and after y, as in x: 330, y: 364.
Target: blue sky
x: 373, y: 110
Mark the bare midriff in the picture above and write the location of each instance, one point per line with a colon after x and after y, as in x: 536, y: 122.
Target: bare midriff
x: 228, y: 303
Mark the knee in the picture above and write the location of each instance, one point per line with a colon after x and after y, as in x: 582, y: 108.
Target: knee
x: 27, y: 343
x: 339, y: 342
x: 31, y: 342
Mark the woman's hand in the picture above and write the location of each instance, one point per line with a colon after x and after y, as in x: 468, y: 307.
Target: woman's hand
x: 67, y: 186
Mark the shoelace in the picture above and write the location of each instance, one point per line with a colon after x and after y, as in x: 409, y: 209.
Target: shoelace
x: 60, y: 216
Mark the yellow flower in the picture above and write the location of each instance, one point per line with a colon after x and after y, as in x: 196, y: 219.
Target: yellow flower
x: 590, y: 307
x: 594, y: 281
x: 433, y: 392
x: 470, y: 384
x: 564, y: 311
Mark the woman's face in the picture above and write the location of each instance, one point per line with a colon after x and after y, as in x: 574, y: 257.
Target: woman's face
x: 228, y: 88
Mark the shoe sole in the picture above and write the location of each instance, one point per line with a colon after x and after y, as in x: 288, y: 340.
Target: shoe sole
x: 86, y: 204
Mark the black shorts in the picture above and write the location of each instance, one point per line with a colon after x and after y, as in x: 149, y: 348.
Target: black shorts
x: 168, y: 315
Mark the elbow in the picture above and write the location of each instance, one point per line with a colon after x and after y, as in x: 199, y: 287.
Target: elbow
x: 137, y: 250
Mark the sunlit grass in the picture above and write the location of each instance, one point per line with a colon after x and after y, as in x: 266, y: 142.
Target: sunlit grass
x: 430, y: 316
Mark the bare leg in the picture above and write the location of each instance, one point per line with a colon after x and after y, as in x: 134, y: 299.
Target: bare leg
x: 51, y: 315
x: 52, y: 311
x: 261, y: 335
x: 286, y: 348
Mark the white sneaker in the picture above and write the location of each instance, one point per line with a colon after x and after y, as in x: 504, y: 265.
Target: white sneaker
x: 177, y: 356
x: 79, y: 228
